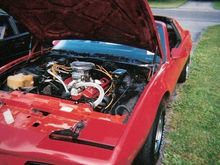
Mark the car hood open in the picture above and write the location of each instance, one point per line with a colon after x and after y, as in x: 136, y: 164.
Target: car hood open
x: 117, y: 21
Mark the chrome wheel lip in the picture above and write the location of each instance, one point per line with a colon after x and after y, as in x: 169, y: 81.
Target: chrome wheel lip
x: 159, y: 134
x: 187, y: 71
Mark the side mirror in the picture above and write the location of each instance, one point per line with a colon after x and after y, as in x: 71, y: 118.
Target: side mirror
x: 176, y: 53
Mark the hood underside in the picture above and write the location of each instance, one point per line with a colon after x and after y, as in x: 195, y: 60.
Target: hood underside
x: 117, y: 21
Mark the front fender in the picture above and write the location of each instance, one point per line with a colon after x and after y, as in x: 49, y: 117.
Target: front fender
x: 141, y: 121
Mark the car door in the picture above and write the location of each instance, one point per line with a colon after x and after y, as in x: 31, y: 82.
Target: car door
x: 180, y: 53
x: 173, y: 66
x: 179, y: 44
x: 13, y: 43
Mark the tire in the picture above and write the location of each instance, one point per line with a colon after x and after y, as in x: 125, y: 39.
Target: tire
x: 150, y: 151
x: 184, y: 73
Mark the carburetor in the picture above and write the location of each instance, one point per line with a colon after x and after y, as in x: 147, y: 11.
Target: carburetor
x: 81, y: 70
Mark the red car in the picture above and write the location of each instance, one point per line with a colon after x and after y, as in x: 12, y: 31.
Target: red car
x: 99, y: 95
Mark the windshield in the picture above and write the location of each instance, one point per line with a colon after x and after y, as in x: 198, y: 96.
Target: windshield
x: 107, y: 50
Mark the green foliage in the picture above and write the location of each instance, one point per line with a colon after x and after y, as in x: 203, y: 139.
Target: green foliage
x: 216, y: 4
x: 195, y: 126
x: 166, y: 3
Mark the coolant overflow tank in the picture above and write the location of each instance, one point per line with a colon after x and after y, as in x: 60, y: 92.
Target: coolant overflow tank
x: 20, y: 81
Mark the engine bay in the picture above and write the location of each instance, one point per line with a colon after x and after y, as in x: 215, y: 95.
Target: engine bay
x: 107, y: 87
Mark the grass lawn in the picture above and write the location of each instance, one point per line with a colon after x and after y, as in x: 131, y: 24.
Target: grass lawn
x: 194, y: 137
x: 166, y: 3
x: 216, y: 4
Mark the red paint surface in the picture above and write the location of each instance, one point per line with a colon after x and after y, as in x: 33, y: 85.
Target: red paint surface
x: 21, y: 141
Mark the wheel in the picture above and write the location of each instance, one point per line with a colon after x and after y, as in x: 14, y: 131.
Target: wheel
x: 150, y: 151
x: 184, y: 73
